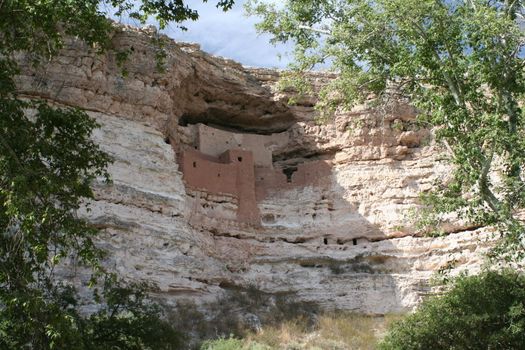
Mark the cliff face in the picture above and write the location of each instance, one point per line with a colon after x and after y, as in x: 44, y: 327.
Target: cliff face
x: 218, y: 184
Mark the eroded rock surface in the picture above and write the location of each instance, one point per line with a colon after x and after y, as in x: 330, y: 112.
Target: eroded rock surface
x: 328, y: 216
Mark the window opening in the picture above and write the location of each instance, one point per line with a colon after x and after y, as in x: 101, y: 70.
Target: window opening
x: 288, y: 172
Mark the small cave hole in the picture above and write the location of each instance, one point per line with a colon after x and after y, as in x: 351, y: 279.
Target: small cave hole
x: 354, y: 241
x: 183, y: 121
x: 167, y: 140
x: 289, y: 172
x: 239, y: 159
x: 314, y: 215
x: 268, y: 219
x: 227, y: 142
x: 194, y: 164
x: 219, y: 175
x: 325, y: 241
x: 340, y: 242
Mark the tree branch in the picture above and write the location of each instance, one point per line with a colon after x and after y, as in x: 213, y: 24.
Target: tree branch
x: 485, y: 191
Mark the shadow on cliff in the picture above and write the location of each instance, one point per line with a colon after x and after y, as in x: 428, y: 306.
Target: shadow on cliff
x: 239, y: 313
x: 311, y: 246
x: 343, y: 261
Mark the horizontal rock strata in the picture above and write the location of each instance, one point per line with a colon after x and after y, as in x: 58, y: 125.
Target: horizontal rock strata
x: 341, y: 238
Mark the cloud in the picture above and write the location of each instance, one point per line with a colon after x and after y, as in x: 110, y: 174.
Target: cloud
x: 231, y: 34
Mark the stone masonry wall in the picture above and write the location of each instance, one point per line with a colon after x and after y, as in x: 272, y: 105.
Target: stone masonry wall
x: 241, y: 165
x: 271, y: 181
x: 231, y: 173
x: 214, y: 142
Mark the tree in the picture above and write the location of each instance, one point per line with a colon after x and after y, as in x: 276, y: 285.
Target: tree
x: 479, y: 312
x: 47, y: 164
x: 459, y: 62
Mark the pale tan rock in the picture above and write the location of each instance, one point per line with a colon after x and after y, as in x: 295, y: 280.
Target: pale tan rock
x: 345, y: 243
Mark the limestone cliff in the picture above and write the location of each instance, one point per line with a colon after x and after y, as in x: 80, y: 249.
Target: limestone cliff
x: 219, y: 184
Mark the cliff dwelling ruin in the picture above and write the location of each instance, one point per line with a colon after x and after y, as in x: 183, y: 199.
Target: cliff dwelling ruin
x: 252, y: 198
x: 241, y: 165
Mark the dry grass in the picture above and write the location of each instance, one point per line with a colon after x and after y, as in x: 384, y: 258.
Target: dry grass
x: 341, y: 331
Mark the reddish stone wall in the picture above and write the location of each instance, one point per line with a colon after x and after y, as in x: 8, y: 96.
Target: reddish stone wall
x: 215, y: 142
x: 312, y: 173
x: 231, y: 173
x: 207, y: 173
x: 268, y: 181
x: 234, y: 173
x: 243, y: 160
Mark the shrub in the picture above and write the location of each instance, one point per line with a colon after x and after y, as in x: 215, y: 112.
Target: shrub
x: 126, y: 320
x: 486, y: 311
x: 232, y: 344
x: 238, y: 313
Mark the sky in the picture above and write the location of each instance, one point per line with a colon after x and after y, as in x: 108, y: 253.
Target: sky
x: 230, y: 34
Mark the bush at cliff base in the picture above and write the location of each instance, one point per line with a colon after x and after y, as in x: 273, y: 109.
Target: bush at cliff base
x: 486, y: 311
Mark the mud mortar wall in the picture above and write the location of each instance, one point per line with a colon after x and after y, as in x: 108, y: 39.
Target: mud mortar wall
x: 231, y: 173
x: 241, y: 165
x: 271, y: 181
x: 207, y: 173
x: 214, y: 142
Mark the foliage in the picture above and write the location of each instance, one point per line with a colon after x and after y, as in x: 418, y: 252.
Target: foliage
x: 239, y: 312
x: 129, y: 321
x: 39, y: 27
x: 51, y: 319
x: 479, y: 312
x: 231, y: 344
x: 335, y: 330
x: 459, y: 62
x: 47, y: 164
